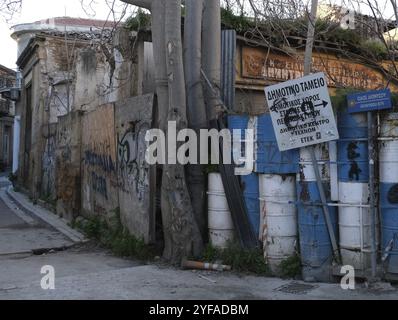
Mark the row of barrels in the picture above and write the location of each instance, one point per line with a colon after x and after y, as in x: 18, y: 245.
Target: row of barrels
x: 284, y: 203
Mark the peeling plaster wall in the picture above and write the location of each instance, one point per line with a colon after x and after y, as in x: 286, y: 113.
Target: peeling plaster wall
x: 91, y: 79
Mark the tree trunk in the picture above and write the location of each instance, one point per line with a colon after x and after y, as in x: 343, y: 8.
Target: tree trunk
x: 211, y: 55
x: 178, y: 218
x: 181, y: 234
x: 196, y: 109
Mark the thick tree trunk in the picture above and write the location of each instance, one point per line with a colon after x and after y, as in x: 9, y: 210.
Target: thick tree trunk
x: 196, y: 109
x: 181, y: 234
x: 178, y: 219
x: 211, y: 55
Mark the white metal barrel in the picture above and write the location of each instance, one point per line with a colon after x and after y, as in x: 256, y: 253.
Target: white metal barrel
x: 355, y: 224
x: 353, y: 175
x: 221, y: 227
x: 306, y: 166
x: 279, y: 216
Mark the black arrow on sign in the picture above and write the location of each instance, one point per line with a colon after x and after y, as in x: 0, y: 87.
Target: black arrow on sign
x: 324, y: 104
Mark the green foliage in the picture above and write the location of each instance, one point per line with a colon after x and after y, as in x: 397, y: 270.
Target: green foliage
x: 239, y: 259
x: 290, y: 267
x: 239, y: 23
x: 339, y: 100
x: 138, y: 22
x: 111, y: 234
x: 331, y: 32
x: 210, y: 168
x: 375, y: 49
x: 277, y: 29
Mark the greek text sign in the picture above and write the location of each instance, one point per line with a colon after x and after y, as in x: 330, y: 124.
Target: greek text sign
x: 301, y: 112
x: 369, y: 101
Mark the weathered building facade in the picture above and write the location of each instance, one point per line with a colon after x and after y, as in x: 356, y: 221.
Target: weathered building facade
x: 82, y: 131
x: 7, y: 110
x: 87, y: 102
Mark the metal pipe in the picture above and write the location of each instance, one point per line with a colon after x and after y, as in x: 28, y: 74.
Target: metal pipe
x: 325, y: 206
x: 371, y: 127
x: 186, y: 264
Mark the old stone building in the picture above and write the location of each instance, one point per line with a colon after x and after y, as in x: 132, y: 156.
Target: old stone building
x: 7, y: 109
x: 78, y: 116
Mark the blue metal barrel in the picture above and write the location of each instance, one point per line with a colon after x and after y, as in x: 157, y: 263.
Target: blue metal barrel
x: 353, y: 160
x: 389, y: 209
x: 251, y: 194
x: 250, y: 183
x: 353, y: 176
x: 315, y: 245
x: 388, y: 159
x: 269, y: 160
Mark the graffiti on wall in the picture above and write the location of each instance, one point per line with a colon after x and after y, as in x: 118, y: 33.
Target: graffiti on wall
x: 352, y: 154
x: 133, y: 169
x: 100, y: 164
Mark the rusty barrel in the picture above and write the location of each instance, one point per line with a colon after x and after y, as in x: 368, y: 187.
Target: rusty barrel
x: 388, y: 154
x: 315, y: 245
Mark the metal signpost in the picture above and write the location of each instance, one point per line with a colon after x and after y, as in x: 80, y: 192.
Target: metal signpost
x: 368, y: 102
x: 301, y: 112
x: 302, y: 115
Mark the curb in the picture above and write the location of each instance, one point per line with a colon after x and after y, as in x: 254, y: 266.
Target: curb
x: 47, y: 216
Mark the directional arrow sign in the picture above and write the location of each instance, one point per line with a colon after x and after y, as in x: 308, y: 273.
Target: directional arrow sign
x: 322, y: 104
x: 301, y: 112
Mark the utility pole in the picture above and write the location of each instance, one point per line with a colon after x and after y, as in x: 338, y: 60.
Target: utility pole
x: 372, y: 198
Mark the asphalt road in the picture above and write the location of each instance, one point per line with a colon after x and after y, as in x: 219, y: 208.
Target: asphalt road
x: 86, y: 271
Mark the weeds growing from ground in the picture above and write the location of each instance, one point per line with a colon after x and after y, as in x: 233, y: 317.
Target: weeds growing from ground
x: 241, y: 260
x: 111, y: 234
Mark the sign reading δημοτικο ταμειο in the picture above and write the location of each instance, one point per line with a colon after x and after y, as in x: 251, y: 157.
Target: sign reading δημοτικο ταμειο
x: 301, y: 112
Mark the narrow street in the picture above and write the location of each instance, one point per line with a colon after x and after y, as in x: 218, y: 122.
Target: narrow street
x: 84, y: 271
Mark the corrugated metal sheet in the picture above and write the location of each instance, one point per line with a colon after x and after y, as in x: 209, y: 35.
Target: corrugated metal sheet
x: 228, y: 53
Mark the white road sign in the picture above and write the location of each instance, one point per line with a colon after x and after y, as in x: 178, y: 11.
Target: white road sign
x: 301, y: 112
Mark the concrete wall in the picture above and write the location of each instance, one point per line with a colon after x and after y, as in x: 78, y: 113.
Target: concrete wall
x: 133, y: 118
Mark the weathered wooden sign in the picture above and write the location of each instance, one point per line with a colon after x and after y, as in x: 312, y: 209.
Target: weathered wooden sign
x: 301, y: 112
x: 260, y: 65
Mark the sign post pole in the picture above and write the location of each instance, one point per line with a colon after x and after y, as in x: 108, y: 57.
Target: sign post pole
x: 307, y: 71
x: 371, y: 147
x: 325, y: 205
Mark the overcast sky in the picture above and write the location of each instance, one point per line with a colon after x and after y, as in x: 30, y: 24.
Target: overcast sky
x: 33, y: 10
